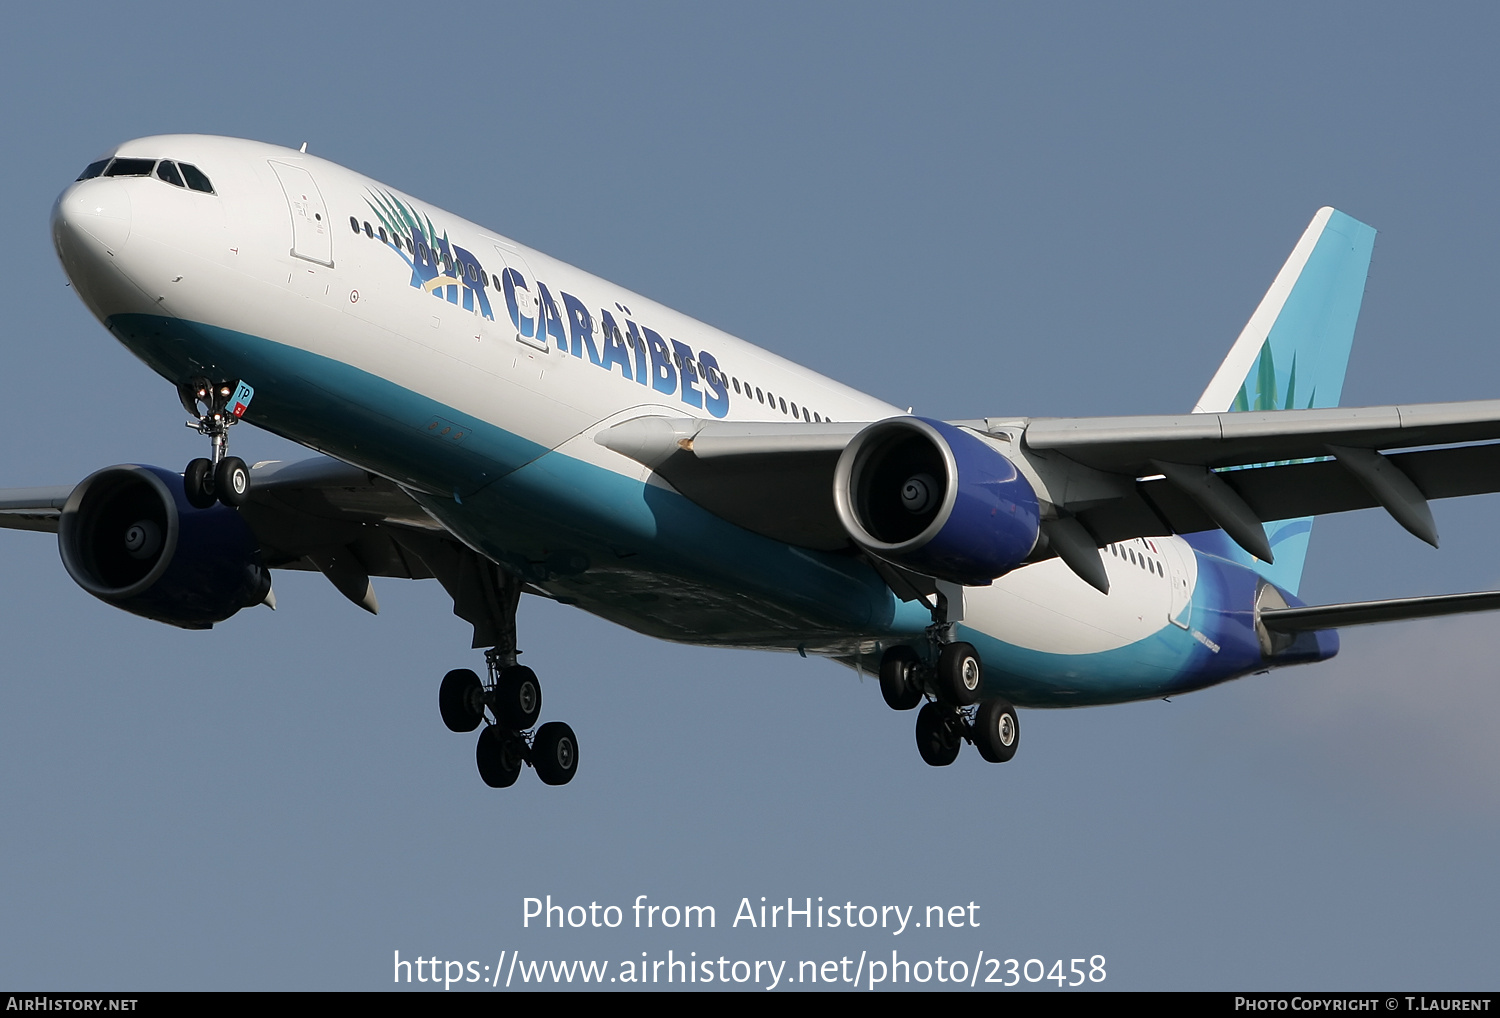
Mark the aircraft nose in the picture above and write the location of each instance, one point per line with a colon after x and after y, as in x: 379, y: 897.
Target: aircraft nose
x: 92, y: 213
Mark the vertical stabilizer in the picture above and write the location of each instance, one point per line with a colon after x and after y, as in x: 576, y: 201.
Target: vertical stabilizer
x: 1291, y: 355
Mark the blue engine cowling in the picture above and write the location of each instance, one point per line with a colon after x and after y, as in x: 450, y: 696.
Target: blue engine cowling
x: 935, y: 499
x: 129, y: 536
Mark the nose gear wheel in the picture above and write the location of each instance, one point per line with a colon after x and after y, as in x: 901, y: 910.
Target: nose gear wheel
x: 215, y: 407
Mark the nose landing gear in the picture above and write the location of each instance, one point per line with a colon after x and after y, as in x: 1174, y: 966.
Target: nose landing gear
x: 215, y: 407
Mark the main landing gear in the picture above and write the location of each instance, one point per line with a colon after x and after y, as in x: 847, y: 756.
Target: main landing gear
x: 955, y: 713
x: 507, y: 705
x: 216, y: 406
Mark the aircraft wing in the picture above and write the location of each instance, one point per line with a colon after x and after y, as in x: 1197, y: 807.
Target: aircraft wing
x: 1134, y: 444
x: 32, y: 508
x: 325, y: 515
x: 1119, y: 477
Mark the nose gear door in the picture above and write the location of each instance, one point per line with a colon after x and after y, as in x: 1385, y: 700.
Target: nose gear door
x: 312, y: 234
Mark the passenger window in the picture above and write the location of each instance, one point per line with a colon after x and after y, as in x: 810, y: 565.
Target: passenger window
x: 354, y: 224
x: 130, y: 168
x: 369, y: 231
x: 381, y: 231
x: 736, y: 382
x: 783, y: 405
x: 794, y: 411
x: 166, y: 170
x: 195, y: 178
x: 93, y: 170
x: 760, y: 395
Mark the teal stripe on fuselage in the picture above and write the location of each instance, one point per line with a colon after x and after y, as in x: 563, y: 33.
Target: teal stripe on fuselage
x: 640, y: 554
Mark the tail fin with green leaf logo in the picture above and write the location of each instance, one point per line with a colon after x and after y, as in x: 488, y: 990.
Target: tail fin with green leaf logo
x: 1291, y: 355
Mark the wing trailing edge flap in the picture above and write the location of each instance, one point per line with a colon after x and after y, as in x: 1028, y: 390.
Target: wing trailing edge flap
x: 1403, y: 485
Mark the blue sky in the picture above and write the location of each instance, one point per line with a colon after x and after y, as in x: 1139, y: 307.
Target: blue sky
x: 972, y: 209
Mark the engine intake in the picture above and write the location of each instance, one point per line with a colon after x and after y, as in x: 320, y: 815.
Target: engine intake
x: 935, y: 499
x: 128, y: 536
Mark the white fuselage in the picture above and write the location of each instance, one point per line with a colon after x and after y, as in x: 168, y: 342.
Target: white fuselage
x: 478, y: 371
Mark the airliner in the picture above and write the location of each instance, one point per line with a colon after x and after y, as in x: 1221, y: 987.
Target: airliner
x: 495, y: 419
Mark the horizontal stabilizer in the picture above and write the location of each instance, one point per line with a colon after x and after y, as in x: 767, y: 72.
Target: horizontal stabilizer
x: 1359, y: 613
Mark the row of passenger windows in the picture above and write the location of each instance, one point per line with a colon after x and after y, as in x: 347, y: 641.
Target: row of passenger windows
x: 177, y: 174
x: 683, y: 364
x: 1148, y: 564
x: 778, y: 402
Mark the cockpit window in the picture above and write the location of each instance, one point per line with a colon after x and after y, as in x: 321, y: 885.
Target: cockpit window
x: 130, y: 168
x: 176, y: 174
x: 167, y: 170
x: 195, y: 178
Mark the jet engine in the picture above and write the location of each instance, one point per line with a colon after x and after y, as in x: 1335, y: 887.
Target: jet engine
x: 129, y: 536
x: 935, y: 499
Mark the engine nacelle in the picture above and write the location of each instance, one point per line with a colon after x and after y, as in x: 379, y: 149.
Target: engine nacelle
x: 936, y: 500
x: 129, y: 536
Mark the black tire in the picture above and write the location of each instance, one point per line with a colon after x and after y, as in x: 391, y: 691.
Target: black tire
x: 460, y: 700
x: 898, y: 666
x: 960, y: 675
x: 232, y: 481
x: 518, y: 698
x: 499, y: 755
x: 554, y: 753
x: 939, y: 737
x: 198, y: 483
x: 997, y: 732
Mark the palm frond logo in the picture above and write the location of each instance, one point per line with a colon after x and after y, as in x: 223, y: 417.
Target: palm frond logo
x: 438, y: 266
x: 1266, y: 396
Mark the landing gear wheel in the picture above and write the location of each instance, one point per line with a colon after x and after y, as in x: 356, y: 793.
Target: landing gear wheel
x: 997, y: 733
x: 959, y: 675
x: 198, y: 483
x: 232, y: 481
x: 499, y: 755
x: 554, y: 753
x: 461, y: 700
x: 518, y: 697
x: 939, y: 734
x: 898, y: 666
